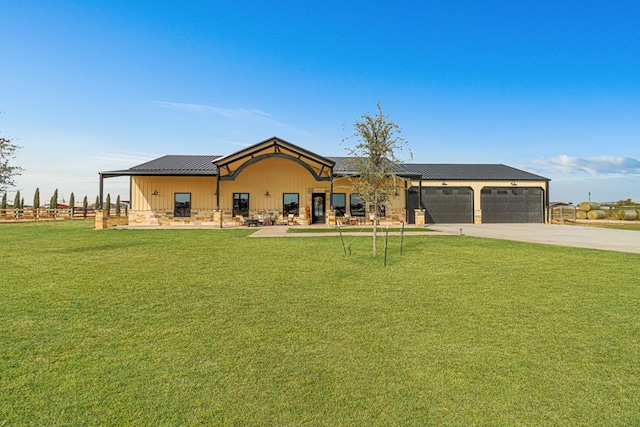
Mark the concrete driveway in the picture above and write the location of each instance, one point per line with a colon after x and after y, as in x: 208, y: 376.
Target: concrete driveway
x: 552, y: 234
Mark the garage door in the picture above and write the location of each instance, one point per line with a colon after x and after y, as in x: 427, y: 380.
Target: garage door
x: 443, y: 205
x: 506, y: 204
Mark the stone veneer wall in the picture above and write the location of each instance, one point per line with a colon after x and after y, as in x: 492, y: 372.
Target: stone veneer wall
x: 103, y: 221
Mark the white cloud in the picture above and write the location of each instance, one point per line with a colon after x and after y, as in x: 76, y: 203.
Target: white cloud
x: 592, y: 166
x: 248, y: 114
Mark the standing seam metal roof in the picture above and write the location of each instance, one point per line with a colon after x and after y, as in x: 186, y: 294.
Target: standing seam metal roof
x: 203, y: 165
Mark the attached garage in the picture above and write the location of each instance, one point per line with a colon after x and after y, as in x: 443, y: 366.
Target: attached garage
x: 512, y: 204
x: 475, y: 193
x: 444, y: 204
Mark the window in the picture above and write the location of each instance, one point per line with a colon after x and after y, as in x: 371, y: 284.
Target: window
x: 339, y: 203
x: 356, y: 205
x: 241, y: 204
x: 182, y: 205
x: 290, y: 204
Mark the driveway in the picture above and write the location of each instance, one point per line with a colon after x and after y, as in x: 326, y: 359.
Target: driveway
x: 552, y: 234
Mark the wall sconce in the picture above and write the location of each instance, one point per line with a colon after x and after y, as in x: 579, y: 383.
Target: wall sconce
x: 444, y: 183
x: 155, y: 193
x: 514, y: 184
x: 267, y: 193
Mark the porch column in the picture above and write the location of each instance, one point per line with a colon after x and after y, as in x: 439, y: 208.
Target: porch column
x: 101, y: 192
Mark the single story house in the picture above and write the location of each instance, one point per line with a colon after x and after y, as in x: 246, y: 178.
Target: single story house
x: 288, y: 183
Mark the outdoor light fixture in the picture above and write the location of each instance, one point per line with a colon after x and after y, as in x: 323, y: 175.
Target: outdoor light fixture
x: 155, y: 193
x: 267, y: 193
x: 514, y: 184
x: 444, y: 183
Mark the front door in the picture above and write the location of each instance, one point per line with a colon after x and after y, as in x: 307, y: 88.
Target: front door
x: 317, y: 209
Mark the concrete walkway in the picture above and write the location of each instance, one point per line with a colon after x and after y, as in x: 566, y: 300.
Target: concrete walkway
x: 551, y: 234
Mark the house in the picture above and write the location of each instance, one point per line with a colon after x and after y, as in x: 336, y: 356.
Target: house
x: 285, y: 182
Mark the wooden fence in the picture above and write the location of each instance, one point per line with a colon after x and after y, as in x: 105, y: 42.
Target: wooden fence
x: 45, y: 214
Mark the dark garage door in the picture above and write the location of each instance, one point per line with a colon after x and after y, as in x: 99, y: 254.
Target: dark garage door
x: 443, y: 205
x: 507, y: 204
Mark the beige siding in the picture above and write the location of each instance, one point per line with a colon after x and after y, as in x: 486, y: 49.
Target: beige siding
x: 397, y: 203
x: 202, y: 191
x: 277, y: 176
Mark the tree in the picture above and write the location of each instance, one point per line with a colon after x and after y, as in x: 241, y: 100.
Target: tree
x: 108, y: 203
x: 7, y: 172
x: 53, y: 204
x: 118, y: 205
x: 16, y: 201
x: 3, y: 204
x: 96, y: 205
x: 72, y: 204
x: 374, y: 161
x: 85, y: 206
x: 36, y: 199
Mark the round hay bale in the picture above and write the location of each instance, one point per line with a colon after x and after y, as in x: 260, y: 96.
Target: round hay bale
x: 628, y: 214
x: 589, y: 206
x: 581, y: 215
x: 596, y: 214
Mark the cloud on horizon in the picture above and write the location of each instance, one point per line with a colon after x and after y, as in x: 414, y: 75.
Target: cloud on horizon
x: 592, y: 166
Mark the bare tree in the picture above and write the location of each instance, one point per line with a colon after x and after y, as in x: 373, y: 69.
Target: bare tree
x: 373, y: 160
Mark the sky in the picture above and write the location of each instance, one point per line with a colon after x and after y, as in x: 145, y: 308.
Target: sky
x: 550, y: 87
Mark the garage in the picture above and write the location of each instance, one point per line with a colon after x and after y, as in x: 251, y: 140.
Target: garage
x: 512, y: 204
x: 443, y: 205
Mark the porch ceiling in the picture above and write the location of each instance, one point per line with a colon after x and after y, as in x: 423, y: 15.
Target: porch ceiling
x: 230, y: 166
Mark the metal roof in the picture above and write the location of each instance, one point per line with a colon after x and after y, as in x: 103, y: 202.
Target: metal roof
x: 172, y: 165
x: 471, y: 172
x: 202, y: 165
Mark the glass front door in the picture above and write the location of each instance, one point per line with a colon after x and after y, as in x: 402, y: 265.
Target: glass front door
x: 317, y: 209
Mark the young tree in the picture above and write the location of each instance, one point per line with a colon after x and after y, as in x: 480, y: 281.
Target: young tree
x: 118, y: 205
x: 373, y: 159
x: 108, y: 203
x: 16, y: 201
x: 96, y: 205
x: 36, y: 199
x: 85, y: 206
x: 3, y: 204
x: 53, y: 204
x: 7, y: 173
x: 72, y: 204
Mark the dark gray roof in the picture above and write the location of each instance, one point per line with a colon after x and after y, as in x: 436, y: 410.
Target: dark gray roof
x: 470, y: 172
x: 172, y: 165
x: 342, y: 168
x: 203, y: 165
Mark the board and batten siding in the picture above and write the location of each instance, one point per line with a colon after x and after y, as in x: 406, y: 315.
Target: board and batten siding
x: 202, y: 191
x: 275, y: 175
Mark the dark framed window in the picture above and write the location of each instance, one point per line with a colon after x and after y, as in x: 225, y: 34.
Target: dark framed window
x: 290, y: 204
x: 182, y: 205
x: 339, y: 203
x: 356, y: 205
x: 241, y: 204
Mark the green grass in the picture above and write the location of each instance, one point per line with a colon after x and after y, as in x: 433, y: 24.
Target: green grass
x: 617, y: 225
x: 183, y: 327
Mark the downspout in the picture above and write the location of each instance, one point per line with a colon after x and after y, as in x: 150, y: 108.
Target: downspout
x: 218, y: 192
x: 331, y: 191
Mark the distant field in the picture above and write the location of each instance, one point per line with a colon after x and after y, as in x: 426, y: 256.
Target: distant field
x: 210, y: 327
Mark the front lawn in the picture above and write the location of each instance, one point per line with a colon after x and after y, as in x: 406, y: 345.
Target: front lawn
x: 211, y: 327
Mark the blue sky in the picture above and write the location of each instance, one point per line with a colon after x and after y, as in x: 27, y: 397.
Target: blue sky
x: 552, y: 87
